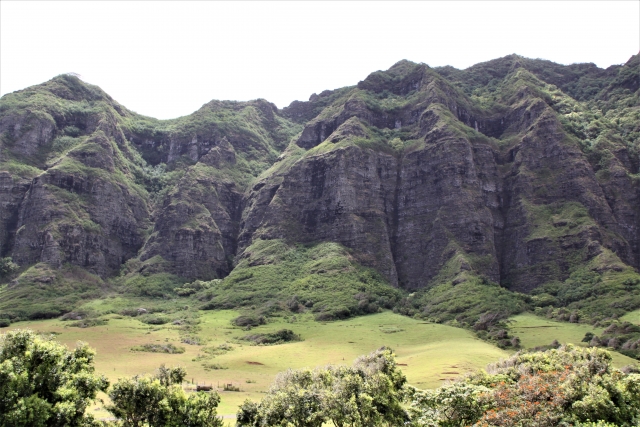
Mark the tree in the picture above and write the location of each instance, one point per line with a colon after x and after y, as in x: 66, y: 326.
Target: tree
x: 293, y: 399
x: 452, y: 405
x: 159, y: 400
x: 369, y: 393
x: 564, y: 386
x: 42, y: 383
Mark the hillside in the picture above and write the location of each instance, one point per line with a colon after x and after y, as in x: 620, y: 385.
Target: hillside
x: 443, y: 193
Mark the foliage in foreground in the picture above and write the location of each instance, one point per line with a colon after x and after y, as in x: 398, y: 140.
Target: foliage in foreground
x: 160, y: 401
x: 42, y: 383
x: 369, y: 393
x: 567, y: 386
x: 560, y: 387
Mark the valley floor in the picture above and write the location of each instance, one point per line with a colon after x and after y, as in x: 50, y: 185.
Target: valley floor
x: 428, y: 353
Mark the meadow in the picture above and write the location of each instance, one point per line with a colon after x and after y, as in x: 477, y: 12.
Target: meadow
x: 535, y: 331
x: 428, y: 353
x: 632, y: 317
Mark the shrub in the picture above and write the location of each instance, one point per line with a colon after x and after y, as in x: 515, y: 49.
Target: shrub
x: 564, y: 386
x: 278, y: 337
x: 152, y: 319
x: 43, y: 383
x: 87, y: 323
x: 160, y: 401
x: 213, y: 366
x: 369, y: 393
x: 159, y: 348
x: 7, y: 267
x: 249, y: 321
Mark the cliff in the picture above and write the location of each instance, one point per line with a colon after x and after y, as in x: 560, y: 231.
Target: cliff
x: 516, y: 173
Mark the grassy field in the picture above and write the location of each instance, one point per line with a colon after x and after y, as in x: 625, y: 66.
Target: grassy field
x: 429, y: 353
x: 632, y: 317
x: 537, y: 331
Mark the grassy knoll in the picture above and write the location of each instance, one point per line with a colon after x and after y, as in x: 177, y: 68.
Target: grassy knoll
x: 428, y: 353
x: 535, y: 331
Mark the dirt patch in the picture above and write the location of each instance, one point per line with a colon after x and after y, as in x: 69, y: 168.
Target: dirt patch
x: 255, y: 363
x: 451, y: 373
x: 402, y: 364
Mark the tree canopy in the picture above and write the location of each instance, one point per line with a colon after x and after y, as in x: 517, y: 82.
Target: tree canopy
x: 160, y: 401
x: 42, y: 383
x: 565, y: 386
x: 369, y: 393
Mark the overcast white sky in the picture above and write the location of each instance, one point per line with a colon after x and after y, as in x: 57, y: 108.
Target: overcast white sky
x: 166, y: 59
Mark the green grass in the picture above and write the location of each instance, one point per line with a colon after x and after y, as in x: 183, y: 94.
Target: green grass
x: 44, y: 292
x: 632, y: 317
x: 535, y: 331
x: 322, y: 278
x: 428, y: 353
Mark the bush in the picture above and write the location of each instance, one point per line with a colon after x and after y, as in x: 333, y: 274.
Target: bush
x: 564, y: 386
x: 5, y: 323
x: 249, y: 321
x: 42, y: 383
x: 160, y: 401
x: 87, y: 323
x: 369, y: 393
x: 279, y: 337
x: 154, y: 319
x: 7, y: 267
x: 159, y: 348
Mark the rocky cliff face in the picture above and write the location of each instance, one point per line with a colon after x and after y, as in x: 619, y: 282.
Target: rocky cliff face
x: 72, y: 199
x: 503, y: 191
x: 518, y: 171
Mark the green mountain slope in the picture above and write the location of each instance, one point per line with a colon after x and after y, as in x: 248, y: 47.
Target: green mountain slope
x: 443, y: 193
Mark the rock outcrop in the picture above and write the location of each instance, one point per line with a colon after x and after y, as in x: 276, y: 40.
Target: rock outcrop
x: 518, y: 171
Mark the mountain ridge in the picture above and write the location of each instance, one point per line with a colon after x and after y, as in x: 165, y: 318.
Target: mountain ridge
x: 515, y: 172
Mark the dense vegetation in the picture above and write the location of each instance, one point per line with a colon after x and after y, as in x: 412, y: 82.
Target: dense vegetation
x: 44, y: 384
x: 322, y: 278
x: 370, y: 393
x: 567, y: 386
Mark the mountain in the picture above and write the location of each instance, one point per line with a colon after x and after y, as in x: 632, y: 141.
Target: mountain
x: 444, y: 193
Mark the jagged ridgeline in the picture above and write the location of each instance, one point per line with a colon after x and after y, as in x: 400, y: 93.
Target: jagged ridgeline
x: 438, y: 192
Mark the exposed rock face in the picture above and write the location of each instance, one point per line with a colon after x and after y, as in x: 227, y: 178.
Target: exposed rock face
x: 86, y: 219
x: 344, y: 196
x: 423, y: 173
x: 12, y: 191
x: 197, y: 223
x: 28, y: 132
x: 458, y: 200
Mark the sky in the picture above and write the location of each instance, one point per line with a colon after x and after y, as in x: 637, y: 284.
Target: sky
x: 167, y: 59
